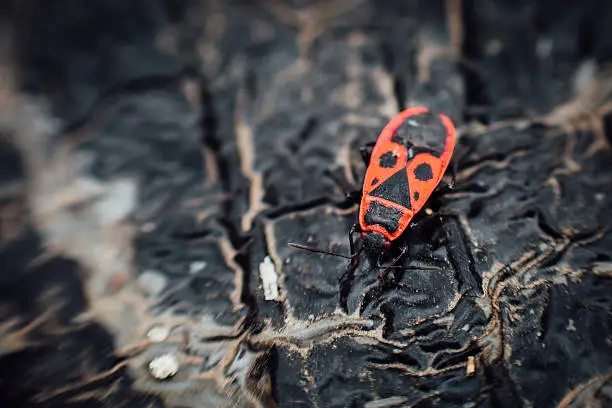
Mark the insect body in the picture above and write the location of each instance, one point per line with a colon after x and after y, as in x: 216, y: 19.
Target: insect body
x: 406, y: 165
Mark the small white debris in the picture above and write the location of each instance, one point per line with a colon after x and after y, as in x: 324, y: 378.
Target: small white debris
x: 584, y: 78
x: 386, y: 402
x: 470, y: 367
x: 151, y: 283
x: 544, y: 47
x: 267, y: 273
x: 147, y: 227
x: 602, y: 268
x: 570, y: 325
x: 494, y: 47
x: 196, y: 267
x: 466, y: 327
x: 118, y: 202
x: 158, y: 333
x: 164, y: 367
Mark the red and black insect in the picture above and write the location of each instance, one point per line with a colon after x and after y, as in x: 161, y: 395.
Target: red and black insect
x: 404, y: 167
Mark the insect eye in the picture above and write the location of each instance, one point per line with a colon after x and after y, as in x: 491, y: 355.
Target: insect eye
x: 387, y: 244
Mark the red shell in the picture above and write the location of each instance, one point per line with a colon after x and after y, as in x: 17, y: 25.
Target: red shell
x: 377, y: 175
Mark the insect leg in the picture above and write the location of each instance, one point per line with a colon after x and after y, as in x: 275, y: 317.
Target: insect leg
x: 445, y: 187
x: 388, y: 268
x: 431, y: 224
x: 345, y: 283
x: 453, y: 171
x: 354, y: 254
x: 366, y: 152
x: 442, y: 215
x: 446, y: 213
x: 349, y: 193
x: 349, y: 272
x: 403, y: 250
x: 354, y: 228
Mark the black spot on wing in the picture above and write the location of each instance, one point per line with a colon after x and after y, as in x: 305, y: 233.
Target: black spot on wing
x: 388, y: 160
x: 374, y: 181
x: 416, y: 196
x: 423, y: 172
x: 380, y: 214
x: 395, y: 189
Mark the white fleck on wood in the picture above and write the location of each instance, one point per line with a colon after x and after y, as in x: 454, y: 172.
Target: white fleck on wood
x: 269, y: 279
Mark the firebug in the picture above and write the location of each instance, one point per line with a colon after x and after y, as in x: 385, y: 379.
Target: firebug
x: 404, y: 167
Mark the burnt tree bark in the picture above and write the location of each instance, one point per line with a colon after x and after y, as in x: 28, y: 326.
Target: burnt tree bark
x: 161, y: 154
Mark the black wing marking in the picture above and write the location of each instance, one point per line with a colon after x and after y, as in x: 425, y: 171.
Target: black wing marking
x: 395, y: 189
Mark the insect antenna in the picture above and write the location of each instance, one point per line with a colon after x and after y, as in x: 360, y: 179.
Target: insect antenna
x: 321, y: 251
x: 410, y: 268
